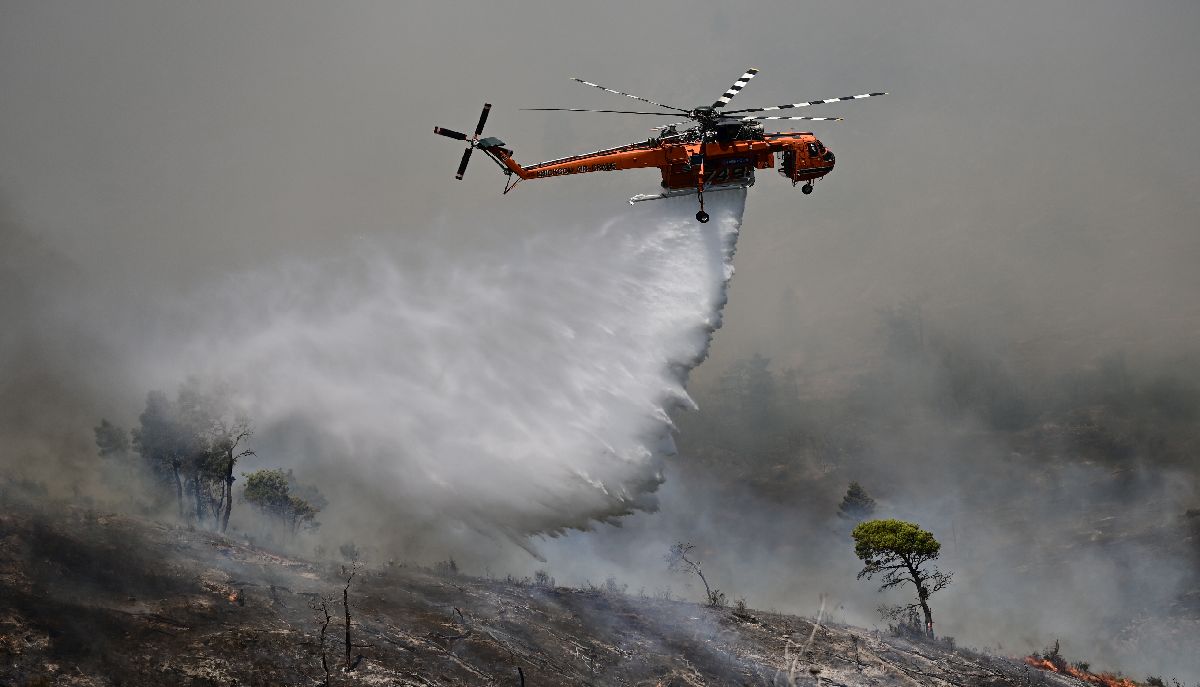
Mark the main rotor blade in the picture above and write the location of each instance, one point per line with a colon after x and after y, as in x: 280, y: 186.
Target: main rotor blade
x: 627, y: 95
x: 449, y: 133
x: 487, y: 107
x: 665, y: 126
x: 462, y: 166
x: 807, y: 104
x: 576, y: 109
x: 737, y: 86
x: 811, y: 119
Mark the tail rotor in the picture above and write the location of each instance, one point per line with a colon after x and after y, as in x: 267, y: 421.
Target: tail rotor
x: 472, y: 141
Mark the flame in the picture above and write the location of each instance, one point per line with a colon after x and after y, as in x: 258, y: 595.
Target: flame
x: 1098, y: 679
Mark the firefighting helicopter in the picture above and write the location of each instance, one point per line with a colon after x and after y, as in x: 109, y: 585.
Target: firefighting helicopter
x: 719, y: 152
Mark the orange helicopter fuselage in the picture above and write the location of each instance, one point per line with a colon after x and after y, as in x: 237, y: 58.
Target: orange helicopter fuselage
x: 803, y: 158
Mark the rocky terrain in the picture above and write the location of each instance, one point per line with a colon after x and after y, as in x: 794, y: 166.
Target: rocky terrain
x: 88, y: 598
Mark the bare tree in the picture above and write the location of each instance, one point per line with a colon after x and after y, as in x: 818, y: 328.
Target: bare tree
x: 346, y: 605
x: 226, y: 440
x: 325, y: 618
x: 351, y: 663
x: 681, y: 559
x: 322, y: 607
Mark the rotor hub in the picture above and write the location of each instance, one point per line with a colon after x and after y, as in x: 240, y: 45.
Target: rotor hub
x: 705, y: 115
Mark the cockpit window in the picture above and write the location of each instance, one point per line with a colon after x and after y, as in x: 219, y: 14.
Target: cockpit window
x: 813, y: 151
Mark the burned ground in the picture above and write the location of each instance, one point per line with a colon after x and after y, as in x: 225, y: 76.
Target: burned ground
x: 101, y: 599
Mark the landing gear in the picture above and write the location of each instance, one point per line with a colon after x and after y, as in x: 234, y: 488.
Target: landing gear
x: 702, y: 217
x: 807, y: 188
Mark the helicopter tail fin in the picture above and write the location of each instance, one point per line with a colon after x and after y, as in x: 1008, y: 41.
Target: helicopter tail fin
x: 491, y: 146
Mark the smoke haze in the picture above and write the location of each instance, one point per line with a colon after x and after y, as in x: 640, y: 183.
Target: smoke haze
x: 252, y: 193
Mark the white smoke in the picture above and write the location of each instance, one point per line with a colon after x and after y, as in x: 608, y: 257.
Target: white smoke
x: 513, y: 390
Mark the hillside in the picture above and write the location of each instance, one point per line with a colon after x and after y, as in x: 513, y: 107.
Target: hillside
x: 103, y: 599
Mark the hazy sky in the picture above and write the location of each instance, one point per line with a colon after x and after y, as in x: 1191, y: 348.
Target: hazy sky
x: 1036, y: 162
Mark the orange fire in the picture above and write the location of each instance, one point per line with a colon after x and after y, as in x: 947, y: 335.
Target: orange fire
x: 1099, y: 679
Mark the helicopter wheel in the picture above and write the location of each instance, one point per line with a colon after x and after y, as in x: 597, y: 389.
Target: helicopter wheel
x: 807, y: 188
x: 702, y: 217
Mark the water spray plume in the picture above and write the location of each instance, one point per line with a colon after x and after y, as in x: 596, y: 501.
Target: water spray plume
x: 518, y: 390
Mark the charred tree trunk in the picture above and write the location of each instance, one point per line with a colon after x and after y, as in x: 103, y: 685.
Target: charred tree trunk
x: 924, y: 595
x: 346, y: 605
x: 918, y: 580
x: 219, y: 506
x: 178, y: 486
x: 231, y: 459
x: 228, y: 497
x: 199, y: 500
x: 325, y: 626
x: 707, y: 589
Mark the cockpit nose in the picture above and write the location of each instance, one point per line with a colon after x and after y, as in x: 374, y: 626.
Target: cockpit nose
x: 819, y: 154
x: 824, y: 154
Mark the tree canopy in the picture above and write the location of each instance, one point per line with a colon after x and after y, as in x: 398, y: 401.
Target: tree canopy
x: 111, y: 441
x: 882, y: 542
x: 271, y: 492
x: 267, y: 490
x: 856, y: 504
